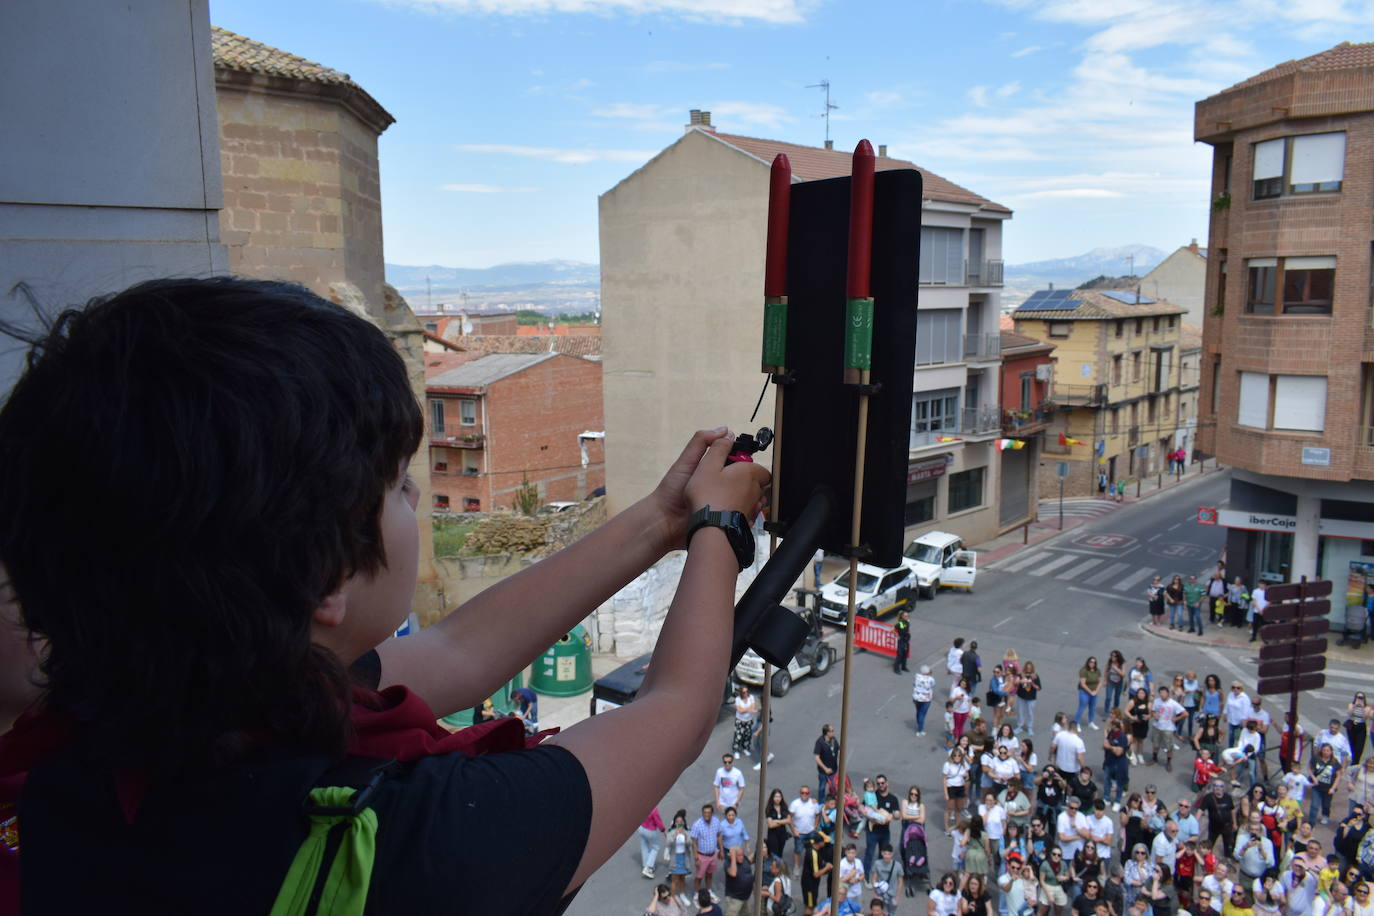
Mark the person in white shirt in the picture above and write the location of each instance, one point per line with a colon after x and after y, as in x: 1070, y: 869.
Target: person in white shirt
x: 954, y: 659
x: 852, y: 873
x: 1000, y: 767
x: 1165, y: 714
x: 804, y: 810
x: 1297, y: 782
x: 1241, y: 758
x: 1255, y: 615
x: 1263, y: 722
x: 994, y: 820
x: 922, y: 693
x: 1237, y: 708
x: 1164, y: 849
x: 1219, y: 885
x: 1299, y: 889
x: 1340, y: 745
x: 1071, y: 828
x: 1069, y: 751
x: 1101, y: 829
x: 728, y: 783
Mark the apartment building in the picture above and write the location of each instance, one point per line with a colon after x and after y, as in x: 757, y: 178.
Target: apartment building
x: 1180, y: 278
x: 1027, y: 374
x: 1288, y: 341
x: 1117, y: 381
x: 682, y: 255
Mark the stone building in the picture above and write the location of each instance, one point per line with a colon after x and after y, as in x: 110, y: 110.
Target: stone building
x: 1288, y: 341
x: 682, y: 254
x: 1180, y: 279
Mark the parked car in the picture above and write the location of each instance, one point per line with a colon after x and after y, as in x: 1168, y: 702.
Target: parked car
x: 878, y: 592
x: 621, y: 685
x: 934, y: 561
x: 814, y: 657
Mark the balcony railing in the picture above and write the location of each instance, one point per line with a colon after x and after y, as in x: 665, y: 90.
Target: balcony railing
x: 1079, y: 395
x: 982, y: 346
x: 980, y: 421
x: 1367, y: 436
x: 983, y: 273
x: 1015, y: 422
x: 456, y: 437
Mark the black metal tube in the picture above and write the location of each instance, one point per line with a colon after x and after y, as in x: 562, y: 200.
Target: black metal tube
x: 782, y: 569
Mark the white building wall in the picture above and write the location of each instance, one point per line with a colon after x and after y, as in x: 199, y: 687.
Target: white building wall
x: 1180, y: 278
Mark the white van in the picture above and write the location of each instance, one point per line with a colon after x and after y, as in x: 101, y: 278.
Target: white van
x: 938, y: 558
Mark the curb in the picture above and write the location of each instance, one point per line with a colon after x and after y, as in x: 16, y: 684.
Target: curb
x: 1149, y: 629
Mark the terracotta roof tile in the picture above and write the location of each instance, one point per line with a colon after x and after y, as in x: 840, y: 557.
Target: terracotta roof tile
x: 235, y: 52
x: 810, y: 163
x: 1344, y: 56
x: 1013, y: 341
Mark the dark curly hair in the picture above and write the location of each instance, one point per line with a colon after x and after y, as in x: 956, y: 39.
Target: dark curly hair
x: 187, y: 468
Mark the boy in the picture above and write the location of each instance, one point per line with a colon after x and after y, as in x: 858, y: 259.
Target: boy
x: 949, y: 725
x: 1204, y: 768
x: 253, y: 533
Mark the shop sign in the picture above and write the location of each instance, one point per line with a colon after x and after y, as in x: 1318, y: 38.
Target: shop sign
x: 1320, y: 457
x: 928, y: 469
x: 1257, y: 521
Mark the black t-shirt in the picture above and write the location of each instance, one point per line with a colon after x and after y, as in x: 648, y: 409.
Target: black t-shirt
x: 1049, y: 793
x: 1086, y: 792
x: 1220, y: 811
x: 829, y: 752
x: 222, y: 844
x: 1082, y: 906
x: 888, y: 802
x: 1029, y: 687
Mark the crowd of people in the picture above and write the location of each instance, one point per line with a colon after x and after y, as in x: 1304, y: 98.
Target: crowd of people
x: 1031, y: 837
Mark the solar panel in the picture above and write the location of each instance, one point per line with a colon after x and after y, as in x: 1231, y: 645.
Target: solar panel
x: 1050, y: 300
x: 1128, y: 297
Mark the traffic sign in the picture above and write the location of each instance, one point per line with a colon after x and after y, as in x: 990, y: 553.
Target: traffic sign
x: 1306, y: 665
x: 1308, y: 626
x: 1292, y: 610
x: 1302, y: 682
x: 1290, y: 592
x: 1290, y: 649
x: 1206, y: 515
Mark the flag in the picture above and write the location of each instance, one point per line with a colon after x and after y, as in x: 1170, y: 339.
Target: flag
x: 1065, y: 440
x: 1004, y: 444
x: 948, y: 439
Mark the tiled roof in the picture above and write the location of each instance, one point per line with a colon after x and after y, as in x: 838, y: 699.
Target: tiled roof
x: 810, y: 163
x: 235, y: 52
x: 1344, y: 56
x: 1013, y: 341
x: 587, y: 345
x: 486, y: 369
x: 1097, y: 307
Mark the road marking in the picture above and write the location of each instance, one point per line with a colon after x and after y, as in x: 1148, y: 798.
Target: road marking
x: 1103, y: 575
x: 1035, y: 602
x: 1008, y: 620
x: 1089, y: 591
x: 1034, y: 557
x: 1153, y: 536
x: 1052, y: 565
x: 1174, y: 525
x: 1247, y: 677
x: 1073, y: 572
x: 1140, y: 575
x: 1356, y: 675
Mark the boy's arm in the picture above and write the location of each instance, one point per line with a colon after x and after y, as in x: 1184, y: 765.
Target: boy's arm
x: 469, y: 654
x: 684, y: 681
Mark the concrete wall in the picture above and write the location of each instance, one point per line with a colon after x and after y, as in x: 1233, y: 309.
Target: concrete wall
x: 1180, y: 278
x: 682, y: 308
x: 110, y: 152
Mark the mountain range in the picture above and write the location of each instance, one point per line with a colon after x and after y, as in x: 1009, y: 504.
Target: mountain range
x: 575, y: 286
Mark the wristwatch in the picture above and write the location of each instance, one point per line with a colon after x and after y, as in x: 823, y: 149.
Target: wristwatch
x: 735, y: 526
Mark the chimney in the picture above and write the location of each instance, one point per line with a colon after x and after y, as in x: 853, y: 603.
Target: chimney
x: 882, y: 150
x: 700, y: 119
x: 830, y: 144
x: 1192, y: 246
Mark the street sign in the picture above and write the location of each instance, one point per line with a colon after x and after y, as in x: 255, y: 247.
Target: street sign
x: 1290, y: 649
x: 1307, y: 665
x: 1292, y: 610
x: 1290, y: 592
x: 1292, y: 684
x: 1206, y: 515
x: 1314, y: 626
x: 1062, y: 469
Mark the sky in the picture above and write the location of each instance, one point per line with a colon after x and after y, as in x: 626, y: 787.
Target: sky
x: 512, y: 116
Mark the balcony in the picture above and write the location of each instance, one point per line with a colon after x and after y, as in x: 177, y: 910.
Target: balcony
x: 982, y: 346
x: 983, y: 273
x: 457, y: 437
x: 980, y: 421
x: 1079, y: 395
x: 1025, y: 422
x: 1366, y: 439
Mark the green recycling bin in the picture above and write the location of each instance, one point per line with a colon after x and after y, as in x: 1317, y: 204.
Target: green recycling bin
x: 565, y: 670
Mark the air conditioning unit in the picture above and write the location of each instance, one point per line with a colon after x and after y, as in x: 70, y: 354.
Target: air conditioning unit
x: 1044, y: 372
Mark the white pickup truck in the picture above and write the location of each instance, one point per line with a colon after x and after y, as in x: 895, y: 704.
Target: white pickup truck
x: 938, y: 559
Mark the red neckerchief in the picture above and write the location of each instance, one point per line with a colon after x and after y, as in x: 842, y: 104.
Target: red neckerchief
x: 394, y: 724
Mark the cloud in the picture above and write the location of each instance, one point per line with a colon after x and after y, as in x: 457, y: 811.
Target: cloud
x: 1031, y: 49
x: 1007, y: 90
x: 785, y: 12
x: 557, y: 154
x: 884, y: 98
x: 632, y: 111
x: 978, y: 95
x: 683, y: 66
x: 1066, y: 193
x: 485, y: 189
x: 762, y: 114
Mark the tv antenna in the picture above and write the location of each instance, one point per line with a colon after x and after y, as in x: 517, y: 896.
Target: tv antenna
x: 829, y: 107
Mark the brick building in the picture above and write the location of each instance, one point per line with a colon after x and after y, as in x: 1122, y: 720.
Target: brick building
x: 1027, y: 373
x: 501, y: 418
x: 1288, y: 342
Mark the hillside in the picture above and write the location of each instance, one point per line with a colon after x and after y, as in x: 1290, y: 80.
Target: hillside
x: 544, y: 286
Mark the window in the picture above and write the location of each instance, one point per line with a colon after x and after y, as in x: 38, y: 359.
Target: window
x: 1172, y: 320
x: 1135, y: 366
x: 441, y: 502
x: 965, y: 490
x: 1220, y: 307
x: 1307, y: 285
x: 1116, y: 420
x: 1116, y: 368
x: 942, y: 256
x: 1059, y: 328
x: 472, y: 504
x: 436, y: 417
x: 920, y: 503
x: 1120, y: 328
x: 1288, y: 402
x: 1027, y: 390
x: 441, y: 467
x: 1162, y: 369
x: 1216, y: 383
x: 432, y: 326
x: 934, y: 413
x: 1154, y: 325
x: 1139, y: 326
x: 1150, y: 410
x: 938, y: 337
x: 1307, y: 164
x: 467, y: 411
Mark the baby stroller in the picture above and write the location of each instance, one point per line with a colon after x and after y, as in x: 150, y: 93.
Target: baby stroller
x: 915, y: 862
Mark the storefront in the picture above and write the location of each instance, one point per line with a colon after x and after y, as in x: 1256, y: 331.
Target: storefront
x: 923, y: 489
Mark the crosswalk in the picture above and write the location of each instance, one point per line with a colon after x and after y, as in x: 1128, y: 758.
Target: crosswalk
x: 1078, y: 507
x: 1126, y: 578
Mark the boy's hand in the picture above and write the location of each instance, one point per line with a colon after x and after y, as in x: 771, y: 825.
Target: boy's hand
x: 698, y: 478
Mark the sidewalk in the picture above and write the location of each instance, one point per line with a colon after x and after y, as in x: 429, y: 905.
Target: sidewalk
x: 1235, y: 638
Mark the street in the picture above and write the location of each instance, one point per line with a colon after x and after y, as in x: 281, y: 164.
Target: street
x: 1056, y: 603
